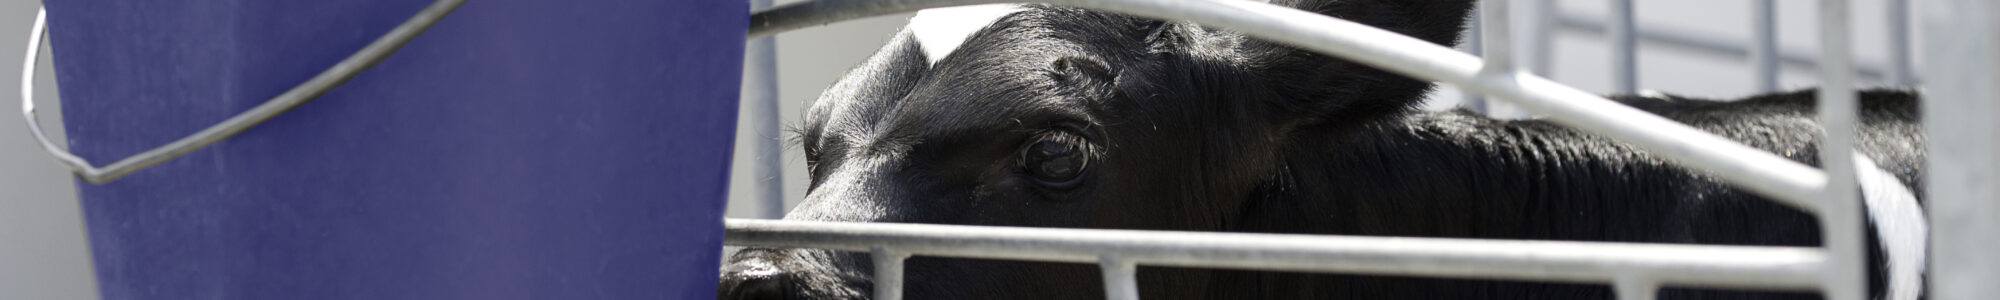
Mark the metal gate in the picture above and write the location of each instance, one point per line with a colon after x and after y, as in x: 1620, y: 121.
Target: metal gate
x: 1960, y: 96
x: 1964, y: 203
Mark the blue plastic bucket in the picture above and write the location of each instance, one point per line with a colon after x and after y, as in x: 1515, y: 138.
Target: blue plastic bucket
x: 519, y: 149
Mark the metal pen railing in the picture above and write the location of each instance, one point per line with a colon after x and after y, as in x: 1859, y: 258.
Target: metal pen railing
x: 1902, y: 69
x: 1635, y: 270
x: 1789, y: 182
x: 1962, y: 168
x: 1762, y: 51
x: 1624, y: 48
x: 1764, y: 44
x: 1840, y: 216
x: 760, y: 101
x: 1496, y: 44
x: 1475, y: 42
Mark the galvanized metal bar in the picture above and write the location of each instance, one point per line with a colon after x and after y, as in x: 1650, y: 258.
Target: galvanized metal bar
x: 1541, y: 38
x: 760, y: 104
x: 1624, y: 49
x: 1901, y: 71
x: 1121, y: 280
x: 1496, y: 36
x: 1764, y: 44
x: 1840, y: 216
x: 1497, y: 46
x: 1747, y: 267
x: 307, y: 91
x: 1757, y: 171
x: 1712, y: 44
x: 1766, y: 174
x: 1636, y: 288
x: 888, y: 272
x: 1474, y: 44
x: 1961, y: 77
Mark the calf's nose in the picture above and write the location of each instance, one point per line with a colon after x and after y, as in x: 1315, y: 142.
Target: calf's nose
x: 752, y: 280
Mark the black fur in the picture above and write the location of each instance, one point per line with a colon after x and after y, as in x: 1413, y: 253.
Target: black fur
x: 1189, y: 128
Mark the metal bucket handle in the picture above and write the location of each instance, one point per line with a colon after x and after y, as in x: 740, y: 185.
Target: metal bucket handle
x: 311, y: 89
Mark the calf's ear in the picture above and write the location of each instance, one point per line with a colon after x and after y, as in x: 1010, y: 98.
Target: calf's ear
x: 887, y: 75
x: 1320, y: 88
x: 859, y: 95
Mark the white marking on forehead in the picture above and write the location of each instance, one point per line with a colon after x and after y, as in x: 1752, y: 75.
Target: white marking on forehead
x: 941, y: 30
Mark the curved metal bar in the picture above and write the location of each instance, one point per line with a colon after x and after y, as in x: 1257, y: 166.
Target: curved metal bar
x: 1770, y: 175
x: 334, y: 76
x: 1747, y: 267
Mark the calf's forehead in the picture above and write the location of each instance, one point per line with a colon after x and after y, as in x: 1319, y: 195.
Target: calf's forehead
x: 999, y: 83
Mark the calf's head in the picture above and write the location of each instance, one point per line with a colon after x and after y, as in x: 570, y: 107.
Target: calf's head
x: 1056, y: 117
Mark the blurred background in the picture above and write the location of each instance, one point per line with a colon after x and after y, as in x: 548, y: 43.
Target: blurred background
x: 43, y: 254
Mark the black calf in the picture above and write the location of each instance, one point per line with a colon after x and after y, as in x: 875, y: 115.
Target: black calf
x: 1056, y: 117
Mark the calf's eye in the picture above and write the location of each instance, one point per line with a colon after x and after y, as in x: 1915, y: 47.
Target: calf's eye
x: 1055, y: 162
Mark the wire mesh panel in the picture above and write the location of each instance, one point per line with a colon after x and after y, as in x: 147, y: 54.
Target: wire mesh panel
x: 1962, y: 170
x: 1829, y: 194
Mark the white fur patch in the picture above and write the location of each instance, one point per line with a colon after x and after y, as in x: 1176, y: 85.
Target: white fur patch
x: 1900, y: 226
x: 941, y: 30
x: 1654, y: 94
